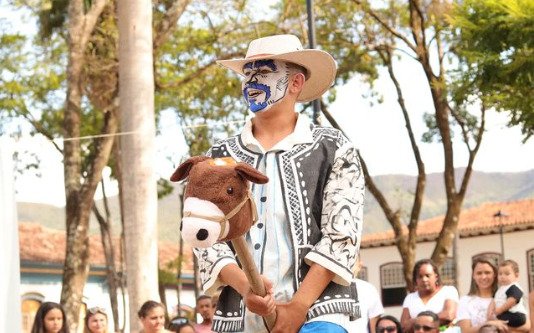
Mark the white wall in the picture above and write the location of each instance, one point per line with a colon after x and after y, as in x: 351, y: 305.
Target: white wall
x: 10, y: 314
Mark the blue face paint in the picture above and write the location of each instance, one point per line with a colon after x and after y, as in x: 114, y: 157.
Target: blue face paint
x: 265, y: 83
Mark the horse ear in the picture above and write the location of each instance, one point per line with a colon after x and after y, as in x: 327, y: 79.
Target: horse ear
x: 183, y: 170
x: 251, y: 174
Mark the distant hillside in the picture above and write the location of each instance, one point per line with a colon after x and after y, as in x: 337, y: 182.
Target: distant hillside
x: 484, y: 187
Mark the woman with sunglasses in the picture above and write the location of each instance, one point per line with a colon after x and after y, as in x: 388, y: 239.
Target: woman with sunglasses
x: 429, y: 295
x: 388, y: 324
x: 96, y: 320
x: 181, y: 325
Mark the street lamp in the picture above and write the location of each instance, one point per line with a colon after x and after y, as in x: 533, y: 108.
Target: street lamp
x: 499, y: 216
x: 316, y: 104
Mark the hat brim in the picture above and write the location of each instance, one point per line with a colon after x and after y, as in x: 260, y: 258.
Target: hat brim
x: 320, y: 65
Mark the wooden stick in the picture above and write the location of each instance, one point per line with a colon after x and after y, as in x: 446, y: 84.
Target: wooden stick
x: 252, y: 273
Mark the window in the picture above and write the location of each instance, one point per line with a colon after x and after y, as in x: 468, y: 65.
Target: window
x: 530, y: 267
x: 30, y: 304
x: 393, y: 284
x: 495, y: 257
x: 362, y: 274
x: 448, y: 272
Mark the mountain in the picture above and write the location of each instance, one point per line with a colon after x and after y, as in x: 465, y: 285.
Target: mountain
x: 398, y: 189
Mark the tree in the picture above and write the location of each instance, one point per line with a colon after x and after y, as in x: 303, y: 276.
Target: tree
x: 379, y: 34
x: 495, y: 44
x: 35, y: 79
x: 136, y: 82
x: 79, y: 195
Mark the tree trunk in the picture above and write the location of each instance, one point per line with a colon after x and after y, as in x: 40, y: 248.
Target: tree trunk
x: 78, y: 197
x: 109, y: 254
x: 136, y: 91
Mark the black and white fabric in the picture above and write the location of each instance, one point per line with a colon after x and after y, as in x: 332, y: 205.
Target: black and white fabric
x: 315, y: 195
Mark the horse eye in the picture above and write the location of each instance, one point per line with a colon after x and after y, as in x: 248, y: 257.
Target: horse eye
x: 230, y: 190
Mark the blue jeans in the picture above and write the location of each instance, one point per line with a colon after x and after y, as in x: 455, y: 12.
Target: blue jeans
x: 321, y: 327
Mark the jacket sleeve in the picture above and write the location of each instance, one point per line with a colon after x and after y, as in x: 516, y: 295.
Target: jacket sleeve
x: 210, y: 262
x: 342, y: 216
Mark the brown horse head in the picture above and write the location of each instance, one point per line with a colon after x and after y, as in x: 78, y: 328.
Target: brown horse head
x: 217, y: 203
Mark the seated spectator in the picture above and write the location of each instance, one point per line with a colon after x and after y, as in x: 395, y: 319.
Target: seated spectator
x: 426, y: 321
x: 473, y: 308
x: 96, y: 320
x: 205, y: 307
x: 388, y: 324
x: 370, y: 305
x: 181, y: 325
x: 430, y: 295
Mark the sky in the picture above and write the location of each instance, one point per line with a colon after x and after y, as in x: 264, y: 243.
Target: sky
x: 378, y: 131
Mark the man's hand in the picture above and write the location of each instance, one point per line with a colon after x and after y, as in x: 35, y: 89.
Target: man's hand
x: 289, y: 317
x: 260, y: 305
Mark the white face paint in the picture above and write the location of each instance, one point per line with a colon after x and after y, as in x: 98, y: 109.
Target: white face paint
x: 265, y: 83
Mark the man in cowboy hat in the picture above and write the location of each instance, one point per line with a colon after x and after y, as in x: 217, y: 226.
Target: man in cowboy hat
x: 308, y: 235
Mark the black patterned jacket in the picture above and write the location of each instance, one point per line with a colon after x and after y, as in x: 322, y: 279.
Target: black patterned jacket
x: 324, y: 193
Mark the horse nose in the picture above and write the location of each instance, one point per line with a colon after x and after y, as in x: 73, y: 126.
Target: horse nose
x: 202, y: 234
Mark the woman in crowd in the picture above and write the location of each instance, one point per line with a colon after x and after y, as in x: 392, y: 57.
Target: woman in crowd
x: 181, y: 325
x: 96, y: 320
x: 152, y: 316
x: 430, y: 295
x: 473, y: 308
x: 388, y: 324
x: 50, y: 318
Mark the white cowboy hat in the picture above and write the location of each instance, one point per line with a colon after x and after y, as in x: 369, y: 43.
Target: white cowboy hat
x: 320, y: 65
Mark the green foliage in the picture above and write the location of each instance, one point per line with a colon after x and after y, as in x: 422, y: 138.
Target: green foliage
x: 52, y: 16
x: 496, y: 44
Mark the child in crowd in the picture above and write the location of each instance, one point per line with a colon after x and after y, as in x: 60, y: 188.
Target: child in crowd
x: 50, y: 318
x: 507, y: 304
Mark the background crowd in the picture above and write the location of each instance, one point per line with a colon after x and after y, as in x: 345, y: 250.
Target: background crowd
x: 493, y: 304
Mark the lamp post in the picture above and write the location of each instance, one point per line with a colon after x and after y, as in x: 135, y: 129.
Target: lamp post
x: 316, y: 104
x: 499, y: 216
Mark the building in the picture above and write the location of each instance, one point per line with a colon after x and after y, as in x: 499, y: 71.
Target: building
x: 481, y: 231
x: 42, y: 253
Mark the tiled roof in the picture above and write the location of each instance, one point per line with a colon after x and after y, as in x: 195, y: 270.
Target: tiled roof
x: 516, y: 215
x: 44, y: 245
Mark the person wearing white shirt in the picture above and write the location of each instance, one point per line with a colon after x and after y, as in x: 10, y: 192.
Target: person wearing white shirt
x: 430, y: 295
x: 370, y: 307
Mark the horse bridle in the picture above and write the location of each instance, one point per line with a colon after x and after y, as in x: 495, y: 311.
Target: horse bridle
x: 226, y: 218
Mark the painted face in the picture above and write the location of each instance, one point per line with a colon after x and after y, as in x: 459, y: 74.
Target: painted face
x: 97, y: 323
x: 53, y: 321
x: 506, y: 275
x: 265, y: 83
